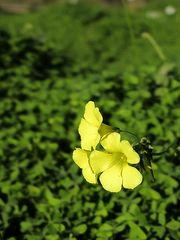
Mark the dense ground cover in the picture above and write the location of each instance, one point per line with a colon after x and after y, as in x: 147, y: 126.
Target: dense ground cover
x: 53, y: 62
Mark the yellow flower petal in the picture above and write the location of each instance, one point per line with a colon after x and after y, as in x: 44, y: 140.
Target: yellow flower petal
x: 131, y: 177
x: 89, y: 175
x: 105, y: 129
x: 131, y: 155
x: 111, y: 142
x: 100, y: 161
x: 111, y: 179
x: 80, y: 157
x: 92, y: 114
x: 89, y: 135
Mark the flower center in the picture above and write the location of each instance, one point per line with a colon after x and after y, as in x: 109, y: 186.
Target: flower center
x: 120, y: 158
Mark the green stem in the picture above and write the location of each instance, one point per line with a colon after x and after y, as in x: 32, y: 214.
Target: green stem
x: 155, y: 45
x: 128, y: 21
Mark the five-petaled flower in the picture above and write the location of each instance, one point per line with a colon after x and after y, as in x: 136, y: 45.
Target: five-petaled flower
x: 112, y: 164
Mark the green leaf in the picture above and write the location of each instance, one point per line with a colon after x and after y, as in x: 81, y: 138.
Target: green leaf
x: 105, y: 230
x: 136, y: 232
x: 150, y: 193
x: 173, y: 225
x: 26, y: 226
x: 51, y: 199
x: 52, y: 237
x: 33, y: 190
x: 61, y: 228
x: 159, y: 230
x: 80, y: 229
x: 162, y: 218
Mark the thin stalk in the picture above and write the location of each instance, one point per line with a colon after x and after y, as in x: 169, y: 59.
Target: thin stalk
x: 128, y: 21
x: 155, y: 45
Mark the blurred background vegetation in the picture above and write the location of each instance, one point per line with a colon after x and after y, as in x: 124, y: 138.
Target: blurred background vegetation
x: 54, y: 57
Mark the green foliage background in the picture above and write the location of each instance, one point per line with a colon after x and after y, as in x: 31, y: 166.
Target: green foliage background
x: 51, y: 63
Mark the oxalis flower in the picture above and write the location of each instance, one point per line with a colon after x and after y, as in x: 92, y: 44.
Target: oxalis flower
x: 91, y: 128
x: 113, y: 167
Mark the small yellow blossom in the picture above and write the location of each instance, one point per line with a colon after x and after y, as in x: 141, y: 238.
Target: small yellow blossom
x: 91, y: 128
x: 113, y: 164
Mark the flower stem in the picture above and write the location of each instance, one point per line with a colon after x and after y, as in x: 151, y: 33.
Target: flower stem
x: 155, y: 45
x: 128, y: 21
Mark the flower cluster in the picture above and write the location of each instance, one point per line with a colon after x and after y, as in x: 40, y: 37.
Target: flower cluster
x: 112, y: 164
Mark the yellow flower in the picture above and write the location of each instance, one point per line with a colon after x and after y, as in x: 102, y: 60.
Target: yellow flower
x: 113, y: 164
x: 91, y: 128
x: 81, y: 158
